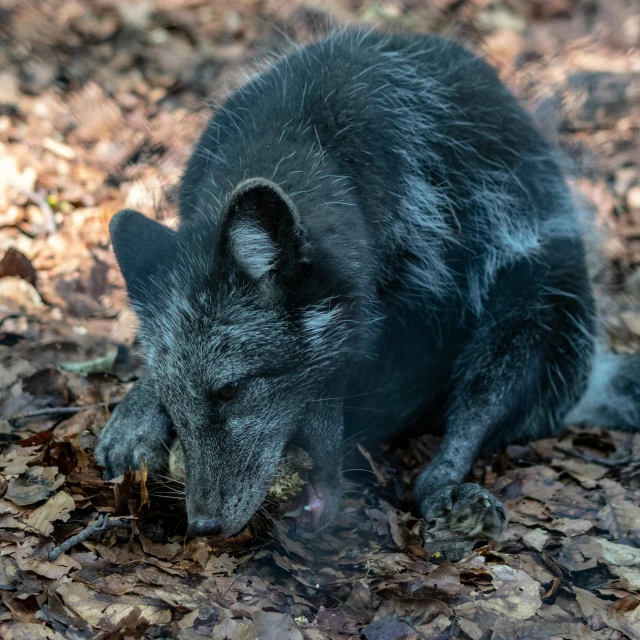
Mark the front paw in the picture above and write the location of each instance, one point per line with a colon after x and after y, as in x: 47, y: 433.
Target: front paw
x: 468, y: 509
x: 128, y: 440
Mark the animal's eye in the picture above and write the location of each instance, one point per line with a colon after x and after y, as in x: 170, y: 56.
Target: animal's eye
x: 229, y: 391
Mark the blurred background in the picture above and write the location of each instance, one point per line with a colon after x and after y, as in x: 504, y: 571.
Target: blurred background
x: 101, y: 101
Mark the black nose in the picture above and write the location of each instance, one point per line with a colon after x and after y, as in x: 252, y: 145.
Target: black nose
x: 204, y: 527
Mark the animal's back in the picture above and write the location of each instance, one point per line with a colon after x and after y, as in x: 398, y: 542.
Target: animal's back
x: 407, y: 145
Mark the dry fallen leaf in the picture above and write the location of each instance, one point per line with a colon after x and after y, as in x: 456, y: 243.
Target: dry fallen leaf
x: 102, y: 611
x: 536, y: 539
x: 52, y: 570
x: 624, y: 617
x: 271, y: 625
x: 58, y: 507
x: 35, y: 485
x: 517, y: 597
x: 29, y: 631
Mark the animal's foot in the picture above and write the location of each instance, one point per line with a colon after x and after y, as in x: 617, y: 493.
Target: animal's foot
x: 136, y: 432
x: 468, y: 509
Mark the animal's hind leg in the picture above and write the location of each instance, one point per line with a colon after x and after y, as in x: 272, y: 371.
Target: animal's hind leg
x: 612, y: 398
x: 525, y: 366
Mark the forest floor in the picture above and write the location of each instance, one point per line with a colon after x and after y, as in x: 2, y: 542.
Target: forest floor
x: 100, y: 102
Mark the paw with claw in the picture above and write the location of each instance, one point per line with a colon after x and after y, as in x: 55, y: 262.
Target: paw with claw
x: 138, y: 430
x: 468, y: 509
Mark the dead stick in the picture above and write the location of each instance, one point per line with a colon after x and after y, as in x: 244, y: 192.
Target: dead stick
x: 49, y: 411
x: 101, y: 523
x: 60, y: 411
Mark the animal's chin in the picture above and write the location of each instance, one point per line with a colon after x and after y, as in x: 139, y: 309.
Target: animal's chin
x: 307, y: 507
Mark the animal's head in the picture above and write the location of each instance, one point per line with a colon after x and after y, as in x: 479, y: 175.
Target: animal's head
x: 242, y: 337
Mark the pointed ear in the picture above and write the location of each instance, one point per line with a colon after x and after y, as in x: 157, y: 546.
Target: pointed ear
x: 141, y: 246
x: 261, y: 231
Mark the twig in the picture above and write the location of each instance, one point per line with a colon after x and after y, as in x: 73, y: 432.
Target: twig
x: 48, y: 411
x: 101, y: 523
x: 60, y: 411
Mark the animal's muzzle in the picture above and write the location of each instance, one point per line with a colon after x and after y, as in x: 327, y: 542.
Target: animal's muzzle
x: 204, y: 527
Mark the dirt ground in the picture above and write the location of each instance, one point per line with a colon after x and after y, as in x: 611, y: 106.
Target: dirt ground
x: 100, y: 101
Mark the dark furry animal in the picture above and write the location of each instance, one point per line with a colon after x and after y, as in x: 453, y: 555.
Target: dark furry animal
x: 373, y: 235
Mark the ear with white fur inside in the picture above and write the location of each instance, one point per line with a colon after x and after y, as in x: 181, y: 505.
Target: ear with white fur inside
x: 261, y: 231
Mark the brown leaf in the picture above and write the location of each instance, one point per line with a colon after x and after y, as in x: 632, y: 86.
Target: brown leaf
x: 619, y: 554
x: 159, y: 550
x: 623, y: 615
x: 585, y: 552
x: 404, y: 536
x: 390, y: 628
x: 15, y: 263
x: 105, y: 611
x: 29, y: 631
x: 338, y: 620
x: 15, y: 460
x: 122, y: 490
x: 38, y: 562
x: 144, y: 491
x: 629, y: 577
x: 471, y: 629
x: 82, y: 421
x: 35, y: 485
x: 221, y: 564
x: 517, y: 595
x: 620, y: 516
x: 416, y: 612
x: 22, y: 611
x: 48, y: 384
x: 537, y: 482
x: 237, y: 629
x: 18, y: 296
x: 571, y: 527
x: 56, y: 508
x: 579, y: 554
x: 361, y: 599
x: 516, y: 599
x: 536, y: 538
x: 380, y: 521
x: 132, y: 624
x: 8, y: 569
x: 581, y: 471
x: 443, y: 583
x: 270, y: 625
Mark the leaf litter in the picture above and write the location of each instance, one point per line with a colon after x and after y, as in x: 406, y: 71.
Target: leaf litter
x: 100, y: 103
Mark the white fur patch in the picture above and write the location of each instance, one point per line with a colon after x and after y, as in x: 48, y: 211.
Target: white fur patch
x: 253, y: 249
x: 321, y: 324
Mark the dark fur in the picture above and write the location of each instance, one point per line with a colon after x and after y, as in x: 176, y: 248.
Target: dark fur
x: 373, y: 235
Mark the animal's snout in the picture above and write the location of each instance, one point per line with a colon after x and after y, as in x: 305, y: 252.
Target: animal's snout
x: 204, y: 527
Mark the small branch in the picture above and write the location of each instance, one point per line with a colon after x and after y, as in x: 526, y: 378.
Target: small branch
x: 60, y: 411
x: 49, y: 411
x: 100, y: 524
